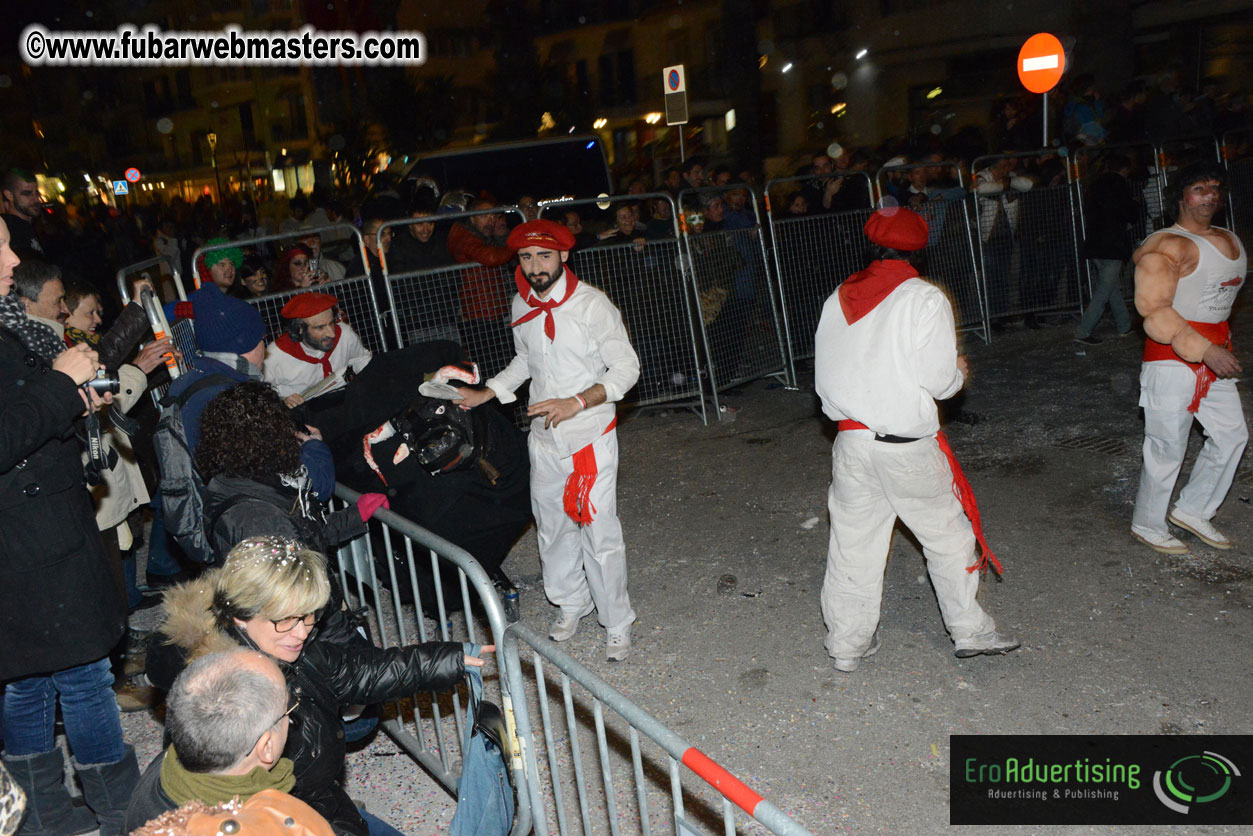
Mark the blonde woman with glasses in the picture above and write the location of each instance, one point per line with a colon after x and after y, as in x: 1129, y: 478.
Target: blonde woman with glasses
x: 271, y: 595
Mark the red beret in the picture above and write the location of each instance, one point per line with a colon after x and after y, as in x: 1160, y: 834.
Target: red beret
x: 548, y: 234
x: 304, y: 305
x: 897, y: 228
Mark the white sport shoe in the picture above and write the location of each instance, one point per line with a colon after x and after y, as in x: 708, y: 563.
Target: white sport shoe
x: 618, y: 645
x: 566, y: 625
x: 1163, y: 543
x: 1204, y: 532
x: 989, y: 644
x: 848, y: 665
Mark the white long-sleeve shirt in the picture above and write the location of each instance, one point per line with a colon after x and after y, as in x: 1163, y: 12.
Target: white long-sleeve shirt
x: 291, y: 375
x: 591, y: 346
x: 889, y: 368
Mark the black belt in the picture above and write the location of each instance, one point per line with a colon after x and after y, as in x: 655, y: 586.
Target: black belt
x: 893, y: 439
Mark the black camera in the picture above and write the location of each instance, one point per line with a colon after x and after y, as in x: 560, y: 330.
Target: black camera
x: 106, y: 380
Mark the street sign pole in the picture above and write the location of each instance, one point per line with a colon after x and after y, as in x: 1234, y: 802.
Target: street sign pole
x: 1041, y: 62
x: 674, y: 92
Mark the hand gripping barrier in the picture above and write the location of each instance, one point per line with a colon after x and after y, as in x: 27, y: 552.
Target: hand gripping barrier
x: 937, y: 192
x: 648, y: 280
x: 1028, y: 244
x: 814, y: 253
x: 738, y: 314
x: 603, y: 810
x: 423, y: 726
x: 357, y: 298
x: 430, y: 727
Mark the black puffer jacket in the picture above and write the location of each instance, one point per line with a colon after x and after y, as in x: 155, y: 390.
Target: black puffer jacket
x: 326, y: 677
x: 236, y: 508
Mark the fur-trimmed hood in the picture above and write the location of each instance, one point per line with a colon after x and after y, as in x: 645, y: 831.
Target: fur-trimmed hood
x: 189, y: 624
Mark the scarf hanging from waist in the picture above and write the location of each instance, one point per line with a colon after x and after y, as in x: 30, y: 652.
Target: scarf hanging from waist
x: 289, y: 346
x: 542, y: 306
x: 1219, y: 333
x: 577, y: 496
x: 964, y: 493
x: 182, y: 786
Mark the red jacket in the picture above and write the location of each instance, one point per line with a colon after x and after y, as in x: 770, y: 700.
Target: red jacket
x: 485, y: 290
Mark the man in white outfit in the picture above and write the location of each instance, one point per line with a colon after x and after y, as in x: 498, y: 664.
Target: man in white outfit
x: 885, y: 351
x: 570, y: 341
x: 1187, y: 277
x: 315, y: 346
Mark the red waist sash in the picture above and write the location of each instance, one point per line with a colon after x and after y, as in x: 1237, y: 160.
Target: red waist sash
x: 962, y: 490
x: 1219, y: 333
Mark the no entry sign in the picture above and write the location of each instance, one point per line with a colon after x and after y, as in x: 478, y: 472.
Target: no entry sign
x: 1041, y: 62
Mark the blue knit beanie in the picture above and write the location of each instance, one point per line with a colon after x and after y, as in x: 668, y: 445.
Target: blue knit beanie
x: 223, y: 323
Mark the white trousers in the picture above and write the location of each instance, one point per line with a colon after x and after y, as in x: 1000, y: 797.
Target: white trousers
x: 1166, y: 389
x: 583, y: 565
x: 873, y: 483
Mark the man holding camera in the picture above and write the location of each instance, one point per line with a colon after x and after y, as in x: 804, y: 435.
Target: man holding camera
x: 314, y: 347
x: 61, y: 606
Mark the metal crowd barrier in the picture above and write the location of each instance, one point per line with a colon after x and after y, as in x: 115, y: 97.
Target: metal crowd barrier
x: 430, y: 304
x: 1237, y: 149
x: 566, y: 795
x: 951, y: 261
x: 181, y: 334
x: 430, y: 727
x: 735, y: 296
x: 813, y: 254
x: 356, y: 294
x: 648, y: 282
x: 1028, y: 243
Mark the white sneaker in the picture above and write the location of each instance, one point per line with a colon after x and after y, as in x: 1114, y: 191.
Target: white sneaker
x: 848, y: 665
x: 990, y: 644
x: 1163, y: 543
x: 1204, y: 532
x: 566, y: 625
x: 618, y: 645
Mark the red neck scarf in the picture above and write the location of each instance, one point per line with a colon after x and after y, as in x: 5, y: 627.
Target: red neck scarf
x: 861, y: 292
x: 289, y: 346
x: 542, y: 306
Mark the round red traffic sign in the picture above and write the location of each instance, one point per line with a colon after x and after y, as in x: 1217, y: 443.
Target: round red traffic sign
x: 132, y: 175
x: 1041, y: 62
x: 672, y: 78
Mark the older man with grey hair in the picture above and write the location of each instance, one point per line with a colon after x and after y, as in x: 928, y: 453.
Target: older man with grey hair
x: 227, y: 717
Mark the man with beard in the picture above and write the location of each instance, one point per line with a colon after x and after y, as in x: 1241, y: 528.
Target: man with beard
x: 1187, y: 277
x: 314, y: 347
x: 570, y: 341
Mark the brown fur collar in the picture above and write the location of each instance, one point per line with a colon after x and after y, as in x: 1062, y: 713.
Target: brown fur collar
x: 189, y: 622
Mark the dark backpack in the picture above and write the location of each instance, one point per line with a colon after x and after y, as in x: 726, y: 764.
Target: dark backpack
x: 181, y: 488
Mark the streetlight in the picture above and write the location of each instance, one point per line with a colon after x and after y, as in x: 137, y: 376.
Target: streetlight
x: 213, y: 155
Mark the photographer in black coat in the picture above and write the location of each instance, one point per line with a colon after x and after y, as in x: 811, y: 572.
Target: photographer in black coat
x: 61, y: 606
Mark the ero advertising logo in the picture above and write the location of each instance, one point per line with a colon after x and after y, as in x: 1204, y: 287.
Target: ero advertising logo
x: 1099, y: 779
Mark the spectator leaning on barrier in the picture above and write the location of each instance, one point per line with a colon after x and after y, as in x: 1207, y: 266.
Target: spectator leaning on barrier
x: 885, y: 352
x: 314, y: 347
x: 998, y: 190
x: 61, y: 607
x: 271, y: 595
x: 571, y: 343
x: 1187, y: 278
x: 227, y: 717
x: 219, y: 266
x: 484, y: 290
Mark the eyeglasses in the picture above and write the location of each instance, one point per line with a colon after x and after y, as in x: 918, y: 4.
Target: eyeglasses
x: 295, y: 704
x: 286, y: 625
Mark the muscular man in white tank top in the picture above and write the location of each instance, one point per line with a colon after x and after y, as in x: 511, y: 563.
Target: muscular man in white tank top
x: 1187, y: 278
